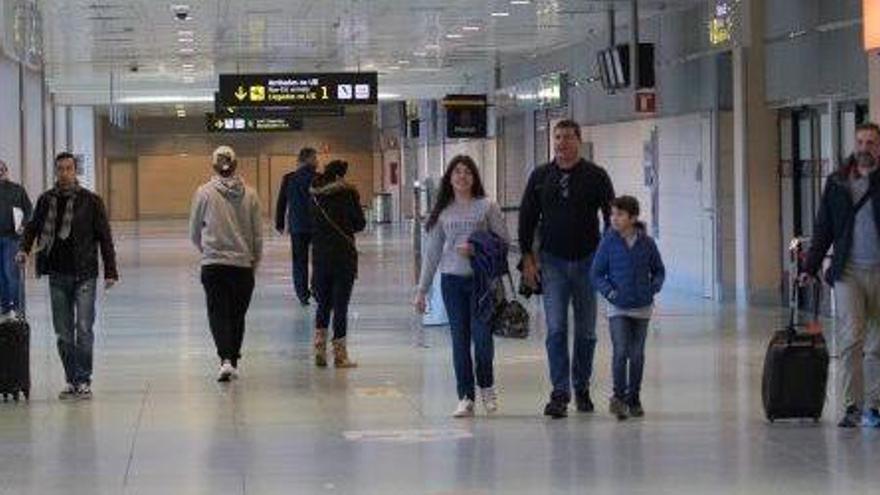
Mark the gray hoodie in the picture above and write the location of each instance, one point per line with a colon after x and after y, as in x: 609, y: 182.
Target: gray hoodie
x: 225, y: 223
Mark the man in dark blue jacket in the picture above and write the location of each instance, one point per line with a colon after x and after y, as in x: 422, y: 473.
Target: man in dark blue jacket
x: 12, y: 197
x: 294, y: 203
x: 849, y: 222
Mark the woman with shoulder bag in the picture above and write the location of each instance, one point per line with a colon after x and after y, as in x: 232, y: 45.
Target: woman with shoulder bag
x: 337, y: 216
x: 461, y: 209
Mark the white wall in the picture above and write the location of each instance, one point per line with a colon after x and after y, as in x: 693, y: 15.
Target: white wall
x: 10, y: 123
x: 83, y: 143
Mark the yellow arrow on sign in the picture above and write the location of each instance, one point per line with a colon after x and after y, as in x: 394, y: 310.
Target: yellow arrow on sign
x: 218, y: 124
x: 241, y: 94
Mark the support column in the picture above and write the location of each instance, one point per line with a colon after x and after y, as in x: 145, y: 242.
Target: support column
x: 874, y: 83
x: 756, y: 155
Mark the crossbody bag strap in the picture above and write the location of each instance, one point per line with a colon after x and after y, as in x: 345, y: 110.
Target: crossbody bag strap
x: 333, y: 224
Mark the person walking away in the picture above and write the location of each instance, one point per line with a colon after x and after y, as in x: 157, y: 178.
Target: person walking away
x: 849, y: 223
x: 337, y: 216
x: 628, y: 271
x: 461, y: 209
x: 226, y: 228
x: 293, y: 211
x: 69, y: 226
x: 562, y: 201
x: 15, y: 211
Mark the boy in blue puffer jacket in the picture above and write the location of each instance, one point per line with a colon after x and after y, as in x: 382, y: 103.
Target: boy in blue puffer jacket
x: 628, y: 271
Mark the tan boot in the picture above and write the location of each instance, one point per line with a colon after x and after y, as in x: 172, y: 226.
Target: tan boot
x: 340, y: 355
x: 321, y: 347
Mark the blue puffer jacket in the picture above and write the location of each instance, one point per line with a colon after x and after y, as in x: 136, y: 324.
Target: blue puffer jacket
x: 628, y: 277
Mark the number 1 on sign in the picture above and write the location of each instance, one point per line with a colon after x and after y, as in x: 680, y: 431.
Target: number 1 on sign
x: 325, y: 94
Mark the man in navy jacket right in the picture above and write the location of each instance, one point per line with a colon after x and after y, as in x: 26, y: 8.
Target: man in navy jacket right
x: 294, y: 212
x: 563, y: 200
x: 849, y: 221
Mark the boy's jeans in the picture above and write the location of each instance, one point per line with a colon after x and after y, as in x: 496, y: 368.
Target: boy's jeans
x: 566, y: 282
x: 628, y: 362
x: 73, y: 316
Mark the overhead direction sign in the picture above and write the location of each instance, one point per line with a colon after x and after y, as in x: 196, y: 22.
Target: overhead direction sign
x: 266, y: 123
x: 298, y: 90
x: 323, y: 111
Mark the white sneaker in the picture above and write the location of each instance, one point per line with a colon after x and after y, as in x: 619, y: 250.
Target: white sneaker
x: 226, y: 372
x: 489, y: 397
x: 234, y: 374
x: 465, y: 409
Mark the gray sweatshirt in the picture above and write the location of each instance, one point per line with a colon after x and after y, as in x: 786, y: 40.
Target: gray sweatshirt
x: 866, y: 240
x: 225, y: 223
x: 454, y: 227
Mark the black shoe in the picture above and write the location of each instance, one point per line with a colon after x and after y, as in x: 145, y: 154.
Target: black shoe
x: 618, y: 408
x: 852, y: 418
x: 584, y: 404
x: 304, y: 302
x: 557, y: 408
x: 635, y: 408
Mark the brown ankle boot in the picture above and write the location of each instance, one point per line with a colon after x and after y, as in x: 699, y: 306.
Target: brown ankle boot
x: 321, y: 347
x: 340, y: 355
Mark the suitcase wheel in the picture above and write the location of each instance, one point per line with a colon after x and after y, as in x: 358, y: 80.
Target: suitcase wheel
x: 27, y: 395
x: 5, y: 397
x: 15, y: 397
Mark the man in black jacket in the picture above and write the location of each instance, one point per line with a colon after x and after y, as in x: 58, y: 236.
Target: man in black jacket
x: 69, y: 225
x: 292, y: 211
x: 562, y: 201
x: 849, y: 221
x: 15, y: 210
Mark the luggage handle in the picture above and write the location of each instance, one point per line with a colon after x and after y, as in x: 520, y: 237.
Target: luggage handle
x: 814, y: 327
x: 22, y: 292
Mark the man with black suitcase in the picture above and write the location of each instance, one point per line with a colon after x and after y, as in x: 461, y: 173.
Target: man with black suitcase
x: 849, y: 221
x: 69, y: 225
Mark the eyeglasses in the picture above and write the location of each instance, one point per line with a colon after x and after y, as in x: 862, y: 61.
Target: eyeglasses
x: 564, y: 180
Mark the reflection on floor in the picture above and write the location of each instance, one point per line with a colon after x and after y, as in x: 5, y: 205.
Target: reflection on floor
x: 160, y: 424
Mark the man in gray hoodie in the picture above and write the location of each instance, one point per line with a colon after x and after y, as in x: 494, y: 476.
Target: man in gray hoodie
x: 226, y: 227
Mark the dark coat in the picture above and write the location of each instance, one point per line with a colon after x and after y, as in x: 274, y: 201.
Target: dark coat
x: 294, y: 201
x: 90, y: 230
x: 337, y: 216
x: 834, y: 225
x: 628, y: 277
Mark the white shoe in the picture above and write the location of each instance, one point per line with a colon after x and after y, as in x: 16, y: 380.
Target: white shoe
x: 465, y: 409
x: 226, y: 372
x: 489, y: 397
x: 234, y: 374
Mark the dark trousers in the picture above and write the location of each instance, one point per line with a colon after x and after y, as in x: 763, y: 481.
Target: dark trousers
x: 10, y: 279
x: 628, y: 362
x: 228, y: 290
x: 333, y: 289
x: 73, y: 316
x: 299, y: 250
x: 466, y: 327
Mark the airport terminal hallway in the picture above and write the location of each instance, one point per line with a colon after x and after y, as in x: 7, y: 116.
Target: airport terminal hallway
x: 160, y: 424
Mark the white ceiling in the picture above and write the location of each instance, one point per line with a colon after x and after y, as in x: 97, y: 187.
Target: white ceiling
x: 421, y: 48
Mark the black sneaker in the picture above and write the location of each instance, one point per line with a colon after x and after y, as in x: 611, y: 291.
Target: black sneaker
x: 557, y: 408
x: 851, y: 418
x: 618, y: 408
x: 635, y: 408
x: 584, y: 404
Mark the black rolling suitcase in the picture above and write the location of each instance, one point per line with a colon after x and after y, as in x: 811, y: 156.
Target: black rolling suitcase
x: 15, y: 368
x: 796, y: 367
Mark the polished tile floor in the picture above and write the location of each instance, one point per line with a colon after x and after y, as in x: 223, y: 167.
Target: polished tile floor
x: 159, y: 424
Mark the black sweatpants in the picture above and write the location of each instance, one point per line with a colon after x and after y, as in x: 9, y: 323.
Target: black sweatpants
x: 228, y: 290
x: 333, y: 289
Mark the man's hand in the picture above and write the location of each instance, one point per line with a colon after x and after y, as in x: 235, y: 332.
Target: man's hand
x: 21, y: 257
x: 531, y: 271
x: 420, y: 303
x: 805, y: 279
x: 109, y: 283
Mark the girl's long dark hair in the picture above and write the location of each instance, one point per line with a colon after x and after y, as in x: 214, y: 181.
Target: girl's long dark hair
x: 445, y: 195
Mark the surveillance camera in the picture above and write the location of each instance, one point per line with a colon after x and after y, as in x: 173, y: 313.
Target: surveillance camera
x: 181, y: 12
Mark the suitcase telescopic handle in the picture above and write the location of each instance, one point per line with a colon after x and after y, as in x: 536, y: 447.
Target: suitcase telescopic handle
x: 22, y: 292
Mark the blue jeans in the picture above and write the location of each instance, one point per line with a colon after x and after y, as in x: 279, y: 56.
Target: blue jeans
x: 465, y: 326
x: 10, y: 278
x: 628, y: 363
x: 568, y: 282
x: 73, y: 316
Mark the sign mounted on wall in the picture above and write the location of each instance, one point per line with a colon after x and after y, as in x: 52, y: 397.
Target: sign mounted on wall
x: 265, y: 123
x: 871, y: 23
x: 465, y: 116
x: 295, y: 90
